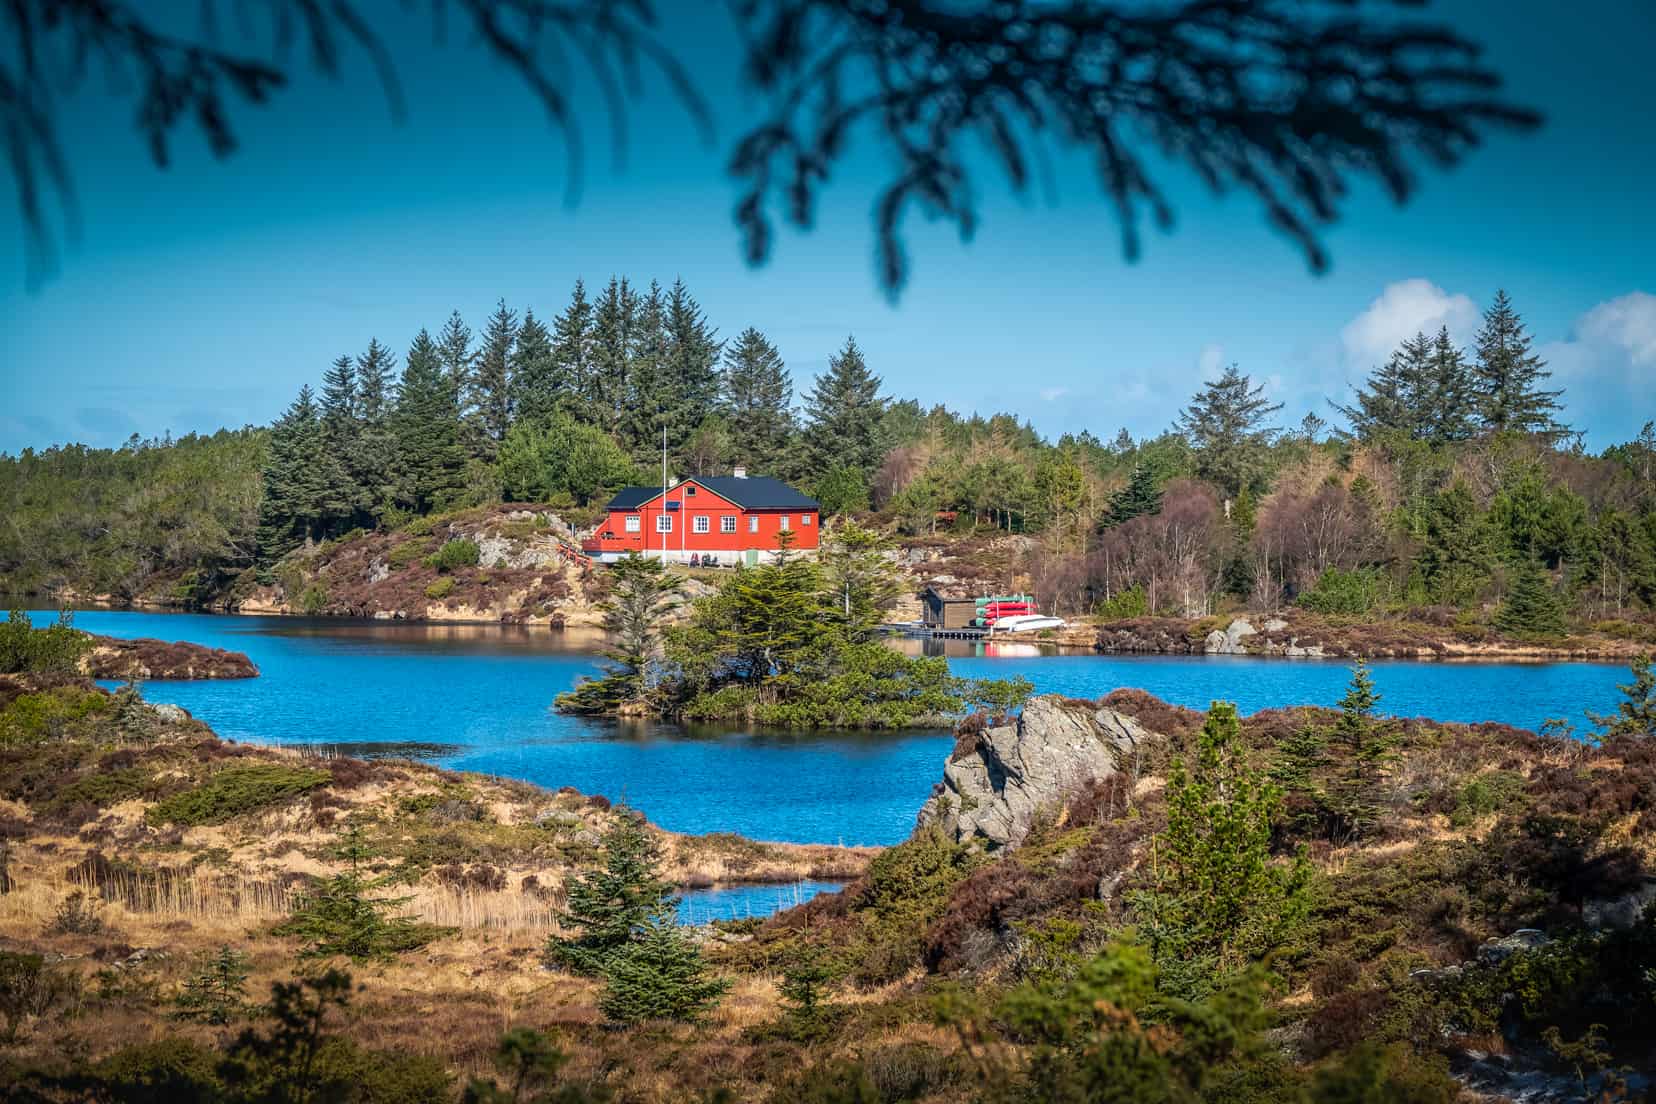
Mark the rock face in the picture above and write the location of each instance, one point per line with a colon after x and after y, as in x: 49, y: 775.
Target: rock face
x: 990, y: 794
x: 145, y: 658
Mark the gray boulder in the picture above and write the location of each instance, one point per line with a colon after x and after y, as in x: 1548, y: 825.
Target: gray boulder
x: 990, y: 796
x: 1229, y: 641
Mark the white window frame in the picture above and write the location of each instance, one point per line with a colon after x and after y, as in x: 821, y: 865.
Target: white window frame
x: 634, y: 524
x: 664, y: 523
x: 727, y: 523
x: 785, y: 524
x: 753, y: 523
x: 701, y: 524
x: 804, y: 520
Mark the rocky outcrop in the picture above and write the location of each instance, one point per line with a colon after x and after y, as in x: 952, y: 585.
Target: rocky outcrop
x: 993, y: 788
x: 146, y: 658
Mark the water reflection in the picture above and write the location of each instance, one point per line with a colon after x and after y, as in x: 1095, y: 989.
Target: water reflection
x: 742, y: 902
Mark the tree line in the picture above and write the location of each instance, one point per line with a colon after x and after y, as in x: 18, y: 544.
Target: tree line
x: 564, y: 412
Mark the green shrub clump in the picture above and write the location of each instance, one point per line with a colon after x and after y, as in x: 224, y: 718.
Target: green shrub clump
x: 456, y: 553
x: 53, y: 650
x: 440, y: 588
x: 409, y: 552
x: 1124, y: 604
x: 1348, y: 593
x: 232, y: 792
x: 31, y: 718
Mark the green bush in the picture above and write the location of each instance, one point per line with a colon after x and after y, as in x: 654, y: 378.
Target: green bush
x: 29, y: 989
x: 456, y: 553
x: 1126, y: 603
x: 1485, y: 794
x: 314, y: 599
x: 409, y: 552
x: 1348, y: 593
x: 35, y: 717
x: 234, y: 791
x: 440, y: 588
x: 54, y: 649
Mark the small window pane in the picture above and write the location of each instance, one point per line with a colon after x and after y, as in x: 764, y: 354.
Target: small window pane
x: 634, y: 524
x: 727, y: 523
x: 753, y: 523
x: 785, y: 524
x: 664, y: 523
x: 701, y: 523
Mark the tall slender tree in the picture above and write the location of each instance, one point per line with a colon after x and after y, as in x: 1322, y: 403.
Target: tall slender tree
x: 758, y: 397
x: 1226, y: 425
x: 842, y: 417
x: 491, y: 395
x: 426, y: 426
x: 1509, y: 376
x: 691, y: 368
x: 290, y: 513
x: 454, y: 350
x: 572, y: 349
x: 612, y: 349
x: 372, y: 462
x: 534, y: 383
x: 647, y: 385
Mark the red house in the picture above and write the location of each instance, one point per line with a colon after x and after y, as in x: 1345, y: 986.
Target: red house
x: 728, y: 519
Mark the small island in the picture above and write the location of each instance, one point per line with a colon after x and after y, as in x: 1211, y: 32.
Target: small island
x: 62, y: 647
x: 791, y: 643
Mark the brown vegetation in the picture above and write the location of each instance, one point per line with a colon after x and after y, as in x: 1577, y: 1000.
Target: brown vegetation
x: 146, y: 658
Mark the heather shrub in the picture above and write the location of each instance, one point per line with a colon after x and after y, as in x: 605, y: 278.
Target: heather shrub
x: 234, y: 791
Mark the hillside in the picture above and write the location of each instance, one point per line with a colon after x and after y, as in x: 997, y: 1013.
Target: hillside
x: 1468, y: 863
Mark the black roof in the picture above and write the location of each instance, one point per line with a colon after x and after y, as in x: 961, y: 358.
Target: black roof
x: 754, y: 492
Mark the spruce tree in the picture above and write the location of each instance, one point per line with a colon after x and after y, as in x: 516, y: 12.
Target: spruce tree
x: 426, y: 425
x: 808, y: 1012
x: 691, y: 368
x: 1456, y: 554
x: 1388, y: 404
x: 642, y: 592
x: 491, y: 395
x: 1509, y: 376
x: 614, y: 317
x: 339, y: 492
x: 1531, y: 607
x: 290, y: 511
x: 661, y: 975
x: 1225, y: 424
x: 572, y: 351
x: 338, y: 404
x: 535, y: 386
x: 458, y: 358
x: 614, y: 905
x: 1137, y: 498
x: 758, y: 399
x: 648, y: 392
x: 1358, y: 792
x: 1637, y: 715
x: 842, y: 417
x: 372, y: 462
x: 1448, y: 405
x: 216, y: 991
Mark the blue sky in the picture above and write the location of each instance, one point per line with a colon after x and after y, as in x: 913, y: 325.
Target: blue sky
x: 205, y: 294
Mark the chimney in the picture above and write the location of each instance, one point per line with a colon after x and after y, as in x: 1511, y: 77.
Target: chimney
x: 739, y: 472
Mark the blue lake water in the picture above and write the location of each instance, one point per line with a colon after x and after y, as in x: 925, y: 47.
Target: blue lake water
x: 481, y: 694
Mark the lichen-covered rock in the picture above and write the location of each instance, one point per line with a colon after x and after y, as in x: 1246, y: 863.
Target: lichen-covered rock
x: 991, y: 794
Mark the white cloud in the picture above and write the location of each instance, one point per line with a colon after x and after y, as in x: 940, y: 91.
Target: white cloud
x: 1402, y: 310
x: 1053, y: 394
x: 1607, y: 367
x: 1626, y: 324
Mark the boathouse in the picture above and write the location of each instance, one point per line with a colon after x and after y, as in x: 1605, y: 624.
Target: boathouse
x: 720, y: 519
x: 948, y: 612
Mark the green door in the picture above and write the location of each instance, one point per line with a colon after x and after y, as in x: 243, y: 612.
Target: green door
x: 753, y: 557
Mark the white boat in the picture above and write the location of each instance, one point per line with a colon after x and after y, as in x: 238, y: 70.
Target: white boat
x: 1027, y: 622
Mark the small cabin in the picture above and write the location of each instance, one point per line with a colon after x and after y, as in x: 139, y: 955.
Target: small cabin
x: 944, y: 612
x: 727, y: 519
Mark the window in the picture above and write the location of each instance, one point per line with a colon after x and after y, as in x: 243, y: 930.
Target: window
x: 634, y: 523
x: 785, y: 524
x: 727, y: 524
x: 753, y: 523
x: 690, y: 490
x: 664, y: 523
x: 804, y: 519
x: 701, y: 524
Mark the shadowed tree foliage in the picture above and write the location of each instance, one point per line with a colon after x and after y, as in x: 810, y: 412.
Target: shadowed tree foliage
x: 642, y: 592
x: 1289, y: 102
x: 1225, y: 424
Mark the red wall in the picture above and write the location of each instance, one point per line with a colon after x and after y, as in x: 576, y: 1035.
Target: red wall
x: 684, y: 538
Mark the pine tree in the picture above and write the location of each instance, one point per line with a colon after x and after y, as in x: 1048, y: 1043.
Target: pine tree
x: 1637, y: 715
x: 1219, y: 901
x: 339, y: 493
x: 842, y: 417
x: 1137, y: 498
x: 808, y: 1013
x: 758, y: 397
x: 1225, y: 424
x: 491, y: 393
x: 614, y: 319
x: 691, y: 367
x: 426, y: 425
x: 642, y: 592
x: 1531, y: 607
x: 615, y: 905
x: 459, y: 359
x: 338, y: 917
x: 338, y: 407
x: 1300, y: 757
x: 1456, y: 556
x: 1508, y: 376
x: 372, y: 462
x: 648, y: 392
x: 290, y: 511
x: 659, y: 976
x: 572, y: 351
x: 1358, y: 792
x: 862, y: 583
x: 1448, y: 405
x: 216, y: 991
x: 535, y: 380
